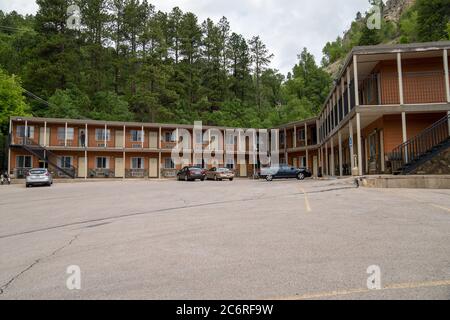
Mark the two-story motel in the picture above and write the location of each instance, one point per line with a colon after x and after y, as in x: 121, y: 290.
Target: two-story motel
x: 382, y: 97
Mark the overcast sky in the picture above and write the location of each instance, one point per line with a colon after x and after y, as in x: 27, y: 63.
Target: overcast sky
x: 286, y: 26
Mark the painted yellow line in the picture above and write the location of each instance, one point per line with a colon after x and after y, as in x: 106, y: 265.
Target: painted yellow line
x: 424, y: 202
x: 395, y: 286
x: 440, y: 207
x: 307, y: 205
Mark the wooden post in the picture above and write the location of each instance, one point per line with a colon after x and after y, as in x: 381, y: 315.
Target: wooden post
x: 45, y: 133
x: 358, y: 133
x: 86, y: 136
x: 400, y: 78
x: 65, y: 135
x: 332, y: 167
x: 341, y: 171
x: 142, y: 138
x: 351, y: 144
x: 105, y: 136
x: 355, y: 75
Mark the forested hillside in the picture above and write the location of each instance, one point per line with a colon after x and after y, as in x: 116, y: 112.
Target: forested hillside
x: 130, y: 61
x: 403, y: 21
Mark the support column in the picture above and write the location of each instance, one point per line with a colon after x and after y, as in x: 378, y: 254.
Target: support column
x: 86, y: 136
x: 317, y: 131
x: 349, y: 95
x: 341, y: 170
x: 105, y: 136
x: 45, y: 133
x: 286, y: 158
x: 382, y: 151
x: 124, y: 164
x: 400, y: 78
x: 159, y: 165
x: 447, y: 80
x: 143, y: 136
x: 332, y: 166
x: 65, y: 135
x: 355, y: 75
x: 295, y: 136
x: 447, y: 83
x: 160, y: 138
x: 358, y: 133
x: 25, y: 135
x: 326, y: 160
x: 351, y: 143
x: 9, y: 147
x: 307, y: 145
x: 124, y: 155
x: 405, y: 135
x: 85, y: 164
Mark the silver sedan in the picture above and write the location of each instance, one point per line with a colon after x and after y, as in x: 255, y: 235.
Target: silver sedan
x: 39, y: 177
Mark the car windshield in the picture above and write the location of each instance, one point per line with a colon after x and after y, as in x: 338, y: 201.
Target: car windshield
x: 195, y: 169
x: 38, y: 171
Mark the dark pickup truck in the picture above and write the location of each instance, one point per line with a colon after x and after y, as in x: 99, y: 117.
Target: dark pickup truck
x: 284, y: 172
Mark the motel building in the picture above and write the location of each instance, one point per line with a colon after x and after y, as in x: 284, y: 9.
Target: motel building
x: 388, y: 113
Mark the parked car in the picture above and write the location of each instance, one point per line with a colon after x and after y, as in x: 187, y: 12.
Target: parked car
x: 284, y: 172
x: 38, y: 177
x: 219, y: 174
x: 191, y: 174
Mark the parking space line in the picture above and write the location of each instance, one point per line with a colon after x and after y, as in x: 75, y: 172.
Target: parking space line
x: 394, y: 286
x: 422, y: 202
x: 440, y: 207
x: 307, y: 205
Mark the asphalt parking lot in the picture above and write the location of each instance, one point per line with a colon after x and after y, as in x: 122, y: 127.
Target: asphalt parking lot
x: 223, y: 240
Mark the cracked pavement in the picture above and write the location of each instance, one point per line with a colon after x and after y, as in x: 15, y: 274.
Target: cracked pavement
x: 223, y: 240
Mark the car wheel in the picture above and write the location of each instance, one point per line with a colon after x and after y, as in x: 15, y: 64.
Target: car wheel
x: 215, y: 178
x: 202, y: 179
x: 231, y: 179
x: 301, y: 176
x: 269, y: 178
x: 27, y: 186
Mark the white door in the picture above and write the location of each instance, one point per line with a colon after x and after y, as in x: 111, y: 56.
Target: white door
x: 315, y: 166
x: 153, y: 140
x: 153, y: 170
x: 243, y: 170
x: 81, y: 167
x: 41, y: 137
x: 119, y: 171
x: 119, y: 139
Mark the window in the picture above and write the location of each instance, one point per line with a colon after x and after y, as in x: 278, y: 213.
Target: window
x: 102, y: 162
x: 282, y: 138
x: 100, y: 134
x: 168, y: 163
x: 170, y: 137
x: 137, y: 163
x: 65, y: 162
x: 302, y: 162
x: 230, y: 164
x: 231, y: 138
x: 62, y: 133
x: 136, y: 135
x: 301, y: 135
x: 24, y: 162
x: 20, y: 131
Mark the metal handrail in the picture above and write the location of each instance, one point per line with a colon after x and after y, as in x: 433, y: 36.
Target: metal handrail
x: 420, y: 145
x: 41, y: 152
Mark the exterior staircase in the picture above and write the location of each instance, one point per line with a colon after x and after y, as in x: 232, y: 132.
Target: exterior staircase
x: 409, y: 156
x: 48, y: 157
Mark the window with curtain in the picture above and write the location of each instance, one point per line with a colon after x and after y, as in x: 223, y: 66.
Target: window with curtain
x: 137, y: 163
